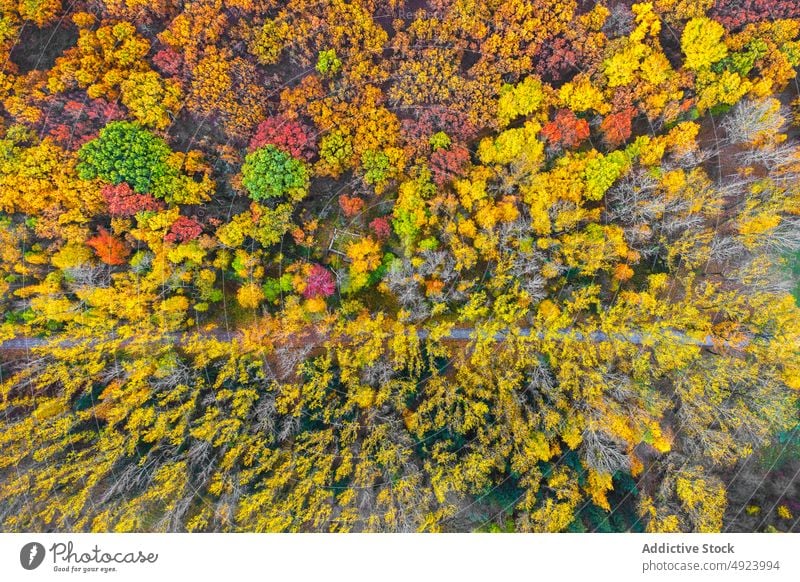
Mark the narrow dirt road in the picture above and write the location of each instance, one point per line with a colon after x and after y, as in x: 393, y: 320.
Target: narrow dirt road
x: 456, y: 334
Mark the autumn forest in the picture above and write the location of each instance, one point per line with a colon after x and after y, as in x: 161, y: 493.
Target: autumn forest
x: 399, y: 266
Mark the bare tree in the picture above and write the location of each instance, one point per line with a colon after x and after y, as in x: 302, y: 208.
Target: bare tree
x: 377, y: 374
x: 751, y: 118
x: 603, y: 453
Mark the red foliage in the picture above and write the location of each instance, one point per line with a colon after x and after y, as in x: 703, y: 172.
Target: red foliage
x: 73, y: 119
x: 168, y: 61
x: 320, y: 283
x: 616, y: 127
x: 555, y: 59
x: 446, y: 164
x: 455, y: 124
x: 108, y: 248
x: 351, y: 205
x: 380, y: 228
x: 566, y: 130
x: 735, y: 14
x: 184, y: 229
x: 123, y: 201
x: 287, y: 134
x: 435, y: 119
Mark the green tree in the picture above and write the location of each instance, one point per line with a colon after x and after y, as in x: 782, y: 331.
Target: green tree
x: 328, y: 64
x: 126, y: 152
x: 269, y: 172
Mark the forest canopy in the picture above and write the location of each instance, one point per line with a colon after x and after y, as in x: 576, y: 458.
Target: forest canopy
x: 399, y: 266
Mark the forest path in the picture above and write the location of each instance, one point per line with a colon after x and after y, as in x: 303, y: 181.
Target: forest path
x: 456, y: 334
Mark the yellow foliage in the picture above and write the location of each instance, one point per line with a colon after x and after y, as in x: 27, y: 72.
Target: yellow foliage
x: 726, y: 88
x: 365, y: 257
x: 33, y: 179
x: 71, y: 255
x: 581, y: 94
x: 703, y: 498
x: 518, y: 145
x: 250, y: 296
x: 702, y: 43
x: 681, y: 138
x: 598, y: 486
x: 233, y: 233
x: 102, y: 59
x: 524, y: 99
x: 152, y: 100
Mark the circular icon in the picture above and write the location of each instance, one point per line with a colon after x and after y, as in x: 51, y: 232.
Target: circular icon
x: 31, y: 555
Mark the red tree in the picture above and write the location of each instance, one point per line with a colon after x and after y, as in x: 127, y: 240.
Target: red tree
x: 287, y: 134
x: 556, y: 59
x: 351, y: 205
x: 446, y: 164
x: 434, y: 119
x: 184, y: 229
x: 108, y: 248
x: 616, y: 127
x: 73, y: 119
x: 123, y: 201
x: 566, y: 130
x: 380, y: 228
x: 168, y: 61
x: 320, y: 283
x: 735, y: 14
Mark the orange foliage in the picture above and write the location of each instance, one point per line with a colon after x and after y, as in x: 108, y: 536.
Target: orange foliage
x: 108, y: 248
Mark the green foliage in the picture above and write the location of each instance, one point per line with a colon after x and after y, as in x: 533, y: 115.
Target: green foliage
x: 377, y: 166
x: 126, y: 152
x: 794, y: 263
x: 270, y: 172
x: 410, y: 212
x: 328, y: 64
x: 336, y: 153
x: 744, y: 61
x: 274, y: 287
x: 439, y: 140
x: 380, y: 272
x: 602, y: 171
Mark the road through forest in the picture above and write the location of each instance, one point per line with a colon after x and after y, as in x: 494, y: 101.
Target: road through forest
x: 456, y: 334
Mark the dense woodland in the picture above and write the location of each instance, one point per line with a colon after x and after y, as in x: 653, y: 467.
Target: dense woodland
x: 455, y: 265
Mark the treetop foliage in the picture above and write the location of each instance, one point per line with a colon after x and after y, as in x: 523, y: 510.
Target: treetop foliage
x: 493, y: 266
x: 269, y: 173
x: 126, y: 152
